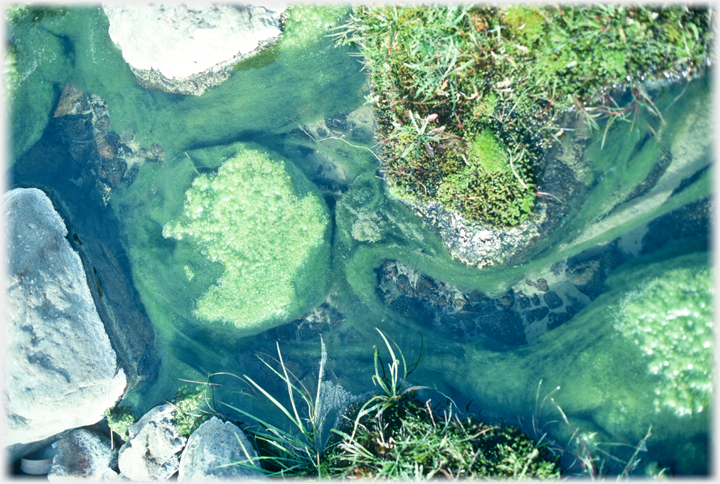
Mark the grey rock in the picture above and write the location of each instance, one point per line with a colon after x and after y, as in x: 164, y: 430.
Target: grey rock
x: 152, y: 447
x: 552, y: 300
x: 187, y: 49
x: 60, y: 367
x: 213, y: 445
x: 84, y: 454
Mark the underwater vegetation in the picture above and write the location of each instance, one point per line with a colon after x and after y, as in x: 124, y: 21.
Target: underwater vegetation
x: 251, y: 218
x: 468, y: 98
x: 670, y: 319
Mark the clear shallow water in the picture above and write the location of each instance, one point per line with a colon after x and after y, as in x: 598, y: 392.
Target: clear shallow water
x: 605, y: 385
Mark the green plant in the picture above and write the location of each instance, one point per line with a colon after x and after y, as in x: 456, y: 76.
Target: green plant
x: 390, y: 383
x: 119, y: 419
x: 190, y: 412
x: 389, y: 434
x: 291, y: 453
x: 418, y: 136
x: 409, y: 441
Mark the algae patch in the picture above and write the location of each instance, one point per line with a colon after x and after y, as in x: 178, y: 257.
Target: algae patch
x: 670, y: 319
x: 270, y: 237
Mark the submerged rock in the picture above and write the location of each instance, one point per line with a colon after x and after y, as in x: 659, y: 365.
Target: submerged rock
x: 84, y: 454
x: 61, y: 368
x: 187, y: 49
x: 527, y: 310
x: 211, y: 447
x: 263, y: 221
x: 151, y: 452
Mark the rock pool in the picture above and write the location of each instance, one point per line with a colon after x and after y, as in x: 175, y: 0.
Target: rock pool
x: 630, y: 216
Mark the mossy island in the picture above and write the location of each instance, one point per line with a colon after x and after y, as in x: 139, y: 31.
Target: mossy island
x: 469, y: 98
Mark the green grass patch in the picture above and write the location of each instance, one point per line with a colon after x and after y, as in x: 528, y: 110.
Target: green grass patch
x: 454, y: 83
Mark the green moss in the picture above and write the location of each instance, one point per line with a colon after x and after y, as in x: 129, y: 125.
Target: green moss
x: 670, y: 319
x: 527, y: 21
x: 488, y: 152
x: 269, y: 237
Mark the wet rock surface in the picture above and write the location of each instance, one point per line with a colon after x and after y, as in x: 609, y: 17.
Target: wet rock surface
x: 353, y: 127
x: 527, y: 310
x: 685, y: 221
x: 79, y: 128
x: 308, y: 328
x: 445, y: 308
x: 211, y: 447
x: 66, y: 161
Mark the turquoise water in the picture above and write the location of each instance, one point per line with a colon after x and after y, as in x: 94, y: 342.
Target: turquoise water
x: 605, y: 385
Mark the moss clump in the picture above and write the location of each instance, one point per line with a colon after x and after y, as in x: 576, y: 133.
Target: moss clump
x: 269, y: 236
x: 443, y: 76
x: 670, y: 318
x: 488, y: 153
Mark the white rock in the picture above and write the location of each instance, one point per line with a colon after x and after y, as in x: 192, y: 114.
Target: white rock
x: 60, y: 366
x: 189, y: 44
x: 213, y: 445
x: 152, y: 447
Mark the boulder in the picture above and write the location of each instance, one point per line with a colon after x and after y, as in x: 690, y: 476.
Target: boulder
x: 213, y: 445
x: 150, y: 452
x: 84, y: 454
x: 60, y: 370
x: 188, y: 48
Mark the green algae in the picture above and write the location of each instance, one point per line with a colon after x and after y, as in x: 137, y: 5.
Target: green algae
x: 606, y: 385
x: 270, y: 240
x: 76, y: 48
x: 670, y: 319
x: 39, y: 58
